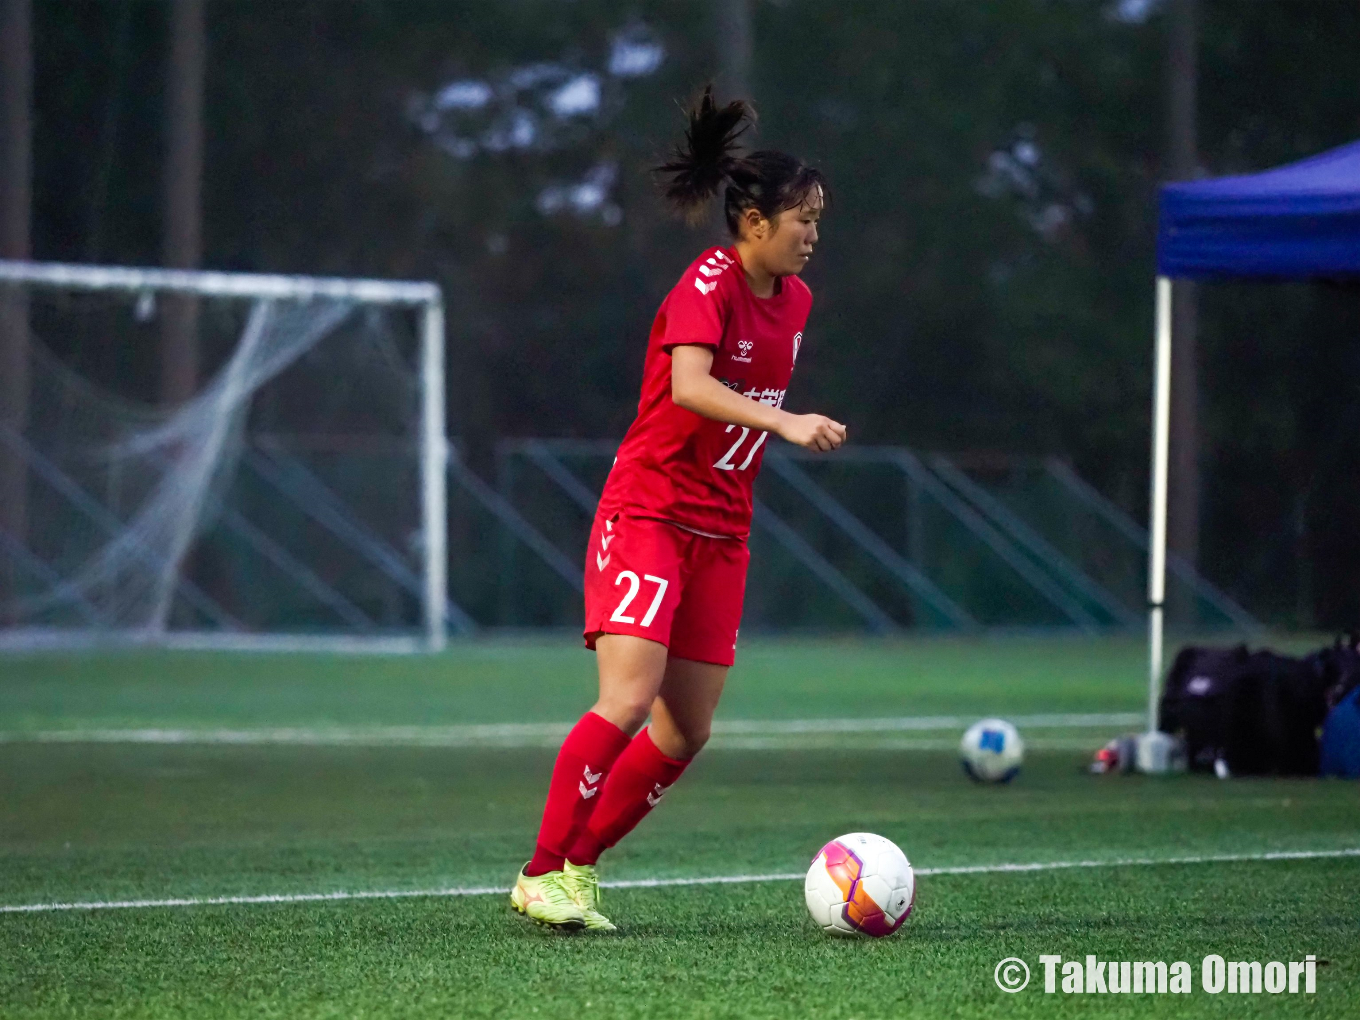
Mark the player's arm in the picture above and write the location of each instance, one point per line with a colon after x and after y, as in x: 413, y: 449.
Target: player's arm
x: 694, y: 388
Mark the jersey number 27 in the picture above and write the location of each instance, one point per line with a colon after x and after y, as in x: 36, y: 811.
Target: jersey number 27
x: 724, y: 462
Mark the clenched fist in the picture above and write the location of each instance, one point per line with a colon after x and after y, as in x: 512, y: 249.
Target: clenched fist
x: 812, y: 431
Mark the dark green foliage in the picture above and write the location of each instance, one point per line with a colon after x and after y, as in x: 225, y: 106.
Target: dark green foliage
x: 951, y: 313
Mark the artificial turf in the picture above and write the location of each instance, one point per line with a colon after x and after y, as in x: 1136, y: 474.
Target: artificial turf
x: 102, y: 821
x: 537, y: 679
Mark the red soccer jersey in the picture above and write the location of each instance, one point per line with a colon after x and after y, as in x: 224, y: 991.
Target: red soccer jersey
x: 676, y: 465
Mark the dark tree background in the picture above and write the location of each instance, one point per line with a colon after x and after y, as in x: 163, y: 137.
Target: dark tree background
x: 985, y: 278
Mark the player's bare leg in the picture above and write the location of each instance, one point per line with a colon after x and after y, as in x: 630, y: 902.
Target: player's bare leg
x: 632, y: 671
x: 682, y: 714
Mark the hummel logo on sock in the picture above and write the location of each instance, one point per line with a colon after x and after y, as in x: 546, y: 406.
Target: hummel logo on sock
x: 588, y: 787
x: 654, y: 798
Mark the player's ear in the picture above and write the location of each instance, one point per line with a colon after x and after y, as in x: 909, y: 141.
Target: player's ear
x: 754, y: 225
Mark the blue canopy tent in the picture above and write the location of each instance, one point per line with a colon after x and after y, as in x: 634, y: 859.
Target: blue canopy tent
x: 1301, y: 220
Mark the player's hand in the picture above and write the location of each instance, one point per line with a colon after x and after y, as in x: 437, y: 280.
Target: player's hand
x: 812, y: 432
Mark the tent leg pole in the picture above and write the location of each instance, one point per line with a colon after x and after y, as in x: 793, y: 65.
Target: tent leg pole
x: 434, y: 466
x: 1161, y: 441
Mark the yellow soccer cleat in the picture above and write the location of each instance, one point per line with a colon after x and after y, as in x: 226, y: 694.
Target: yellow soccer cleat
x: 583, y: 883
x: 547, y: 899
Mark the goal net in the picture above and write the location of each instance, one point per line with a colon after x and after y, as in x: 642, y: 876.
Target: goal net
x: 292, y: 496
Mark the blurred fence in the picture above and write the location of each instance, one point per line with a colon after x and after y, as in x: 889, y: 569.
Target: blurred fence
x: 875, y: 539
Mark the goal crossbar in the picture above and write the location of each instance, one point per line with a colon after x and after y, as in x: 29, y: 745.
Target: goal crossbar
x: 220, y: 284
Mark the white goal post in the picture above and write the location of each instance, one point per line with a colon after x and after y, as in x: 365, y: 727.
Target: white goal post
x: 122, y: 584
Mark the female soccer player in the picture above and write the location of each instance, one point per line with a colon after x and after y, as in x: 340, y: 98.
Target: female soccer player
x: 666, y: 566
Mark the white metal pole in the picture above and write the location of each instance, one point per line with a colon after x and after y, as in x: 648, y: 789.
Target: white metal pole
x: 1161, y: 441
x: 214, y: 284
x: 433, y: 477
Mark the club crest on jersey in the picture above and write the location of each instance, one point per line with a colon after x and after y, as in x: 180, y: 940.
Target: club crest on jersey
x: 744, y: 348
x: 797, y: 343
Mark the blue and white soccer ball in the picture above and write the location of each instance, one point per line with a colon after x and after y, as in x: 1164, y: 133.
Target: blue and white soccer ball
x: 991, y: 751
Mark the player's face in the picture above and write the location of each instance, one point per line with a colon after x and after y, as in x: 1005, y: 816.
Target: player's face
x: 792, y: 236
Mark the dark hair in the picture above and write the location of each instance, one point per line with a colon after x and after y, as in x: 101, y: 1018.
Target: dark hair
x: 767, y: 181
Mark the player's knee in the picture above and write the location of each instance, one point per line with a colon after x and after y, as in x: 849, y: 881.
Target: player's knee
x: 626, y: 711
x: 686, y: 743
x: 694, y: 743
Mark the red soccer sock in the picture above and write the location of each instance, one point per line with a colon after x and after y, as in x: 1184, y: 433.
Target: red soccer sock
x: 585, y: 759
x: 640, y: 777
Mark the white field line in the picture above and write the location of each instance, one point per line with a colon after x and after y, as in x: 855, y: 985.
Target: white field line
x: 750, y: 734
x: 887, y: 743
x: 660, y: 883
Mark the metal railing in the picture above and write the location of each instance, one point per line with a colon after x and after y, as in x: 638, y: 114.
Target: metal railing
x: 956, y: 524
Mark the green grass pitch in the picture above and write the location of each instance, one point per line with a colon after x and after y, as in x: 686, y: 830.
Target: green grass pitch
x: 85, y: 819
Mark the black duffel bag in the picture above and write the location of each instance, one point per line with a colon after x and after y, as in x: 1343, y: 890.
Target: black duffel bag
x: 1245, y: 713
x: 1338, y: 666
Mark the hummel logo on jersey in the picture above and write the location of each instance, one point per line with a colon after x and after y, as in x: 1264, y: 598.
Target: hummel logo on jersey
x: 745, y: 347
x: 711, y: 267
x: 797, y: 343
x: 654, y: 798
x: 588, y: 787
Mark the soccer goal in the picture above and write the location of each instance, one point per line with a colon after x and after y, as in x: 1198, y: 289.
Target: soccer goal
x: 291, y: 495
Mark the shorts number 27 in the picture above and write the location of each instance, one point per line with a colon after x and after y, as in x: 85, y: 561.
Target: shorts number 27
x: 633, y: 585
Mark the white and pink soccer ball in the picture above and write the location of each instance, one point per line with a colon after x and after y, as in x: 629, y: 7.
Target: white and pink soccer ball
x: 860, y: 884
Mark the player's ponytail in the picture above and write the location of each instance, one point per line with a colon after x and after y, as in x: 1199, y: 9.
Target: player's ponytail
x: 767, y: 181
x: 700, y: 165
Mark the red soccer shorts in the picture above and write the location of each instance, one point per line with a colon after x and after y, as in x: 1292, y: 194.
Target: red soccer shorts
x: 655, y: 580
